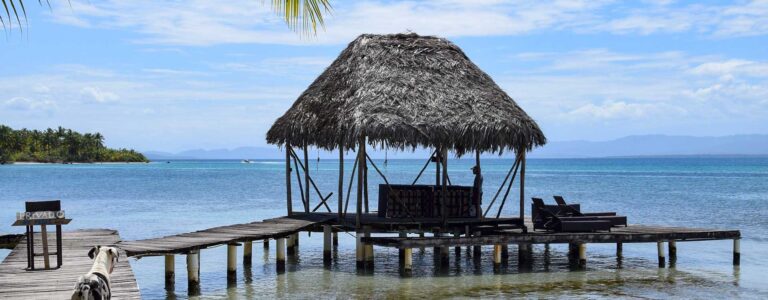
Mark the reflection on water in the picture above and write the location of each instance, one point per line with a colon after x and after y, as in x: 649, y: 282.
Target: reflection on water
x: 549, y: 275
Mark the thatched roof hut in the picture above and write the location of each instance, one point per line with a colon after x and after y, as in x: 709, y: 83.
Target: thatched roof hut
x: 405, y: 91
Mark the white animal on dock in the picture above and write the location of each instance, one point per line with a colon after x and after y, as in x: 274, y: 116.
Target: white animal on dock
x: 94, y: 285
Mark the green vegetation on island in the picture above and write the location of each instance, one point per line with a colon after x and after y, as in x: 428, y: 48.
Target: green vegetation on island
x: 59, y: 145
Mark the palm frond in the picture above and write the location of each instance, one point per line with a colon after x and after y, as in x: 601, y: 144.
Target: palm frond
x: 302, y: 16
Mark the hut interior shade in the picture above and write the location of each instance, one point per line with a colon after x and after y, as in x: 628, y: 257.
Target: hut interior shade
x: 406, y: 91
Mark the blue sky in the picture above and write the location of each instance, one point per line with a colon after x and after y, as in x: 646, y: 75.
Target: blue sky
x: 176, y: 75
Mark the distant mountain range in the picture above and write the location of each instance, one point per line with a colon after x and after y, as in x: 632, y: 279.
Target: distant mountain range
x: 638, y: 145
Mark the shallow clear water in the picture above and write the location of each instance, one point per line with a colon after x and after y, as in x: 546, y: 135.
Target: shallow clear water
x: 151, y: 200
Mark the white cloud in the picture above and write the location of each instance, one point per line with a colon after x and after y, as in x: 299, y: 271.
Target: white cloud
x: 732, y: 67
x: 623, y: 110
x: 576, y: 93
x: 201, y: 23
x: 27, y: 104
x: 96, y: 95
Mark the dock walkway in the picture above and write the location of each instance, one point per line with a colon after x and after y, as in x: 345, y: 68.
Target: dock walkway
x: 186, y: 242
x: 629, y: 234
x: 18, y: 283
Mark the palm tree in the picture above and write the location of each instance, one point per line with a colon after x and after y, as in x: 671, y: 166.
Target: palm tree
x: 302, y: 16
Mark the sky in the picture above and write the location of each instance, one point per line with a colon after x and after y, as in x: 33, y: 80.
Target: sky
x: 177, y: 75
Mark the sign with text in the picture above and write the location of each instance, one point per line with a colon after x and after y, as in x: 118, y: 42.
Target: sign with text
x: 40, y: 215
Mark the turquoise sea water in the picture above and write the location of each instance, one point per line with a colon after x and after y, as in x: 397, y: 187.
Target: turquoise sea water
x: 156, y: 199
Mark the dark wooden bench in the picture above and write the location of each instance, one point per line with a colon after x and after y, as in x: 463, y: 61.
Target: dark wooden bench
x: 424, y: 201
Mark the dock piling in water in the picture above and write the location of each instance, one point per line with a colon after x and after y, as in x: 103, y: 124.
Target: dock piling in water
x: 368, y: 250
x: 736, y: 252
x: 672, y: 253
x: 327, y: 241
x: 248, y: 253
x: 525, y: 256
x: 582, y: 255
x: 407, y: 261
x: 231, y: 263
x: 170, y: 272
x: 573, y: 254
x: 496, y: 258
x: 457, y: 249
x: 292, y: 241
x: 193, y: 273
x: 280, y: 255
x: 359, y: 252
x: 660, y: 249
x: 401, y: 251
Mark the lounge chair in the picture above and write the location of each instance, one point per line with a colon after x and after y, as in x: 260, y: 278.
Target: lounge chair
x: 569, y: 210
x: 547, y: 220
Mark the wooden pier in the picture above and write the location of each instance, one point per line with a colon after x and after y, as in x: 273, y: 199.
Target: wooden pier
x: 224, y: 235
x: 629, y: 234
x: 18, y: 283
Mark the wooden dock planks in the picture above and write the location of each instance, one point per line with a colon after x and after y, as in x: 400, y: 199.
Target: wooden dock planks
x: 629, y: 234
x: 185, y: 242
x: 17, y: 283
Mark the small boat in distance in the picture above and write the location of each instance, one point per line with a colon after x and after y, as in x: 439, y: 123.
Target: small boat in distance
x: 245, y: 161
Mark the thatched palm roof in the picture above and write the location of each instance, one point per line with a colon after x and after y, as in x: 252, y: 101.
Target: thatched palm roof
x: 406, y: 90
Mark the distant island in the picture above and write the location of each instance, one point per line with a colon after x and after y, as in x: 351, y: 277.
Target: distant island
x: 59, y: 145
x: 630, y: 146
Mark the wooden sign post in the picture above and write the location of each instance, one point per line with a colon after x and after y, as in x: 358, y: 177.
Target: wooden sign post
x: 42, y: 213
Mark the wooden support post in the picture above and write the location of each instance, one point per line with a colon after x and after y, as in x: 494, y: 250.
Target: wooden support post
x: 231, y: 263
x: 736, y: 252
x: 401, y: 251
x: 672, y: 253
x: 59, y: 251
x: 407, y: 261
x: 247, y: 253
x: 477, y: 249
x: 444, y: 256
x: 619, y: 250
x: 306, y: 176
x: 288, y: 178
x: 31, y: 247
x: 193, y: 273
x: 341, y: 189
x: 480, y: 195
x: 280, y: 255
x: 359, y: 252
x: 360, y: 161
x: 44, y: 236
x: 457, y: 249
x: 327, y: 240
x: 573, y: 254
x: 266, y: 244
x: 582, y: 255
x: 421, y: 235
x: 170, y: 272
x: 335, y: 238
x: 368, y: 248
x: 496, y: 257
x: 438, y: 152
x: 291, y: 247
x: 660, y: 249
x: 524, y: 255
x: 444, y: 198
x: 504, y: 253
x: 365, y: 182
x: 522, y: 188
